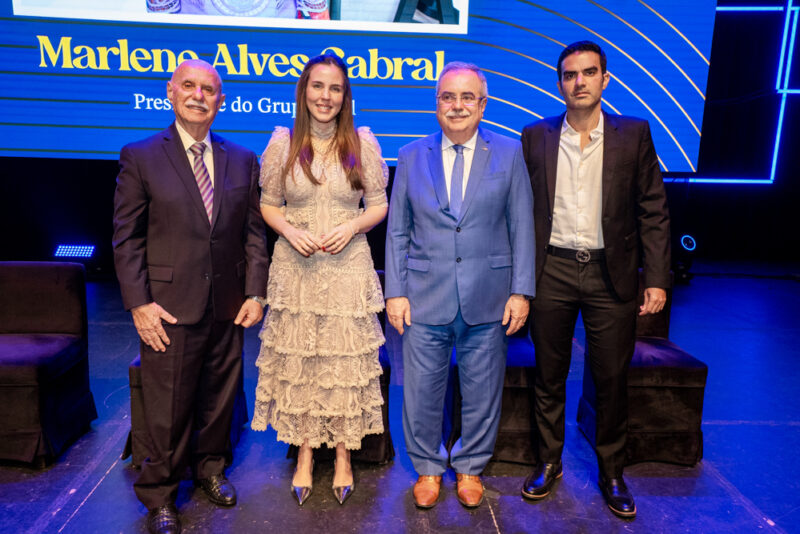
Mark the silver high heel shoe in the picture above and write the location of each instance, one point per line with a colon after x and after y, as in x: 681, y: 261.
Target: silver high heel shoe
x: 343, y: 492
x: 302, y: 493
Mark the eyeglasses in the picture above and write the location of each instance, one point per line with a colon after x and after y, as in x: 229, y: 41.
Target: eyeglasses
x: 467, y: 99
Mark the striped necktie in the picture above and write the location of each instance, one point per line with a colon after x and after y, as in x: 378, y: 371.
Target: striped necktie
x: 202, y: 177
x: 457, y: 181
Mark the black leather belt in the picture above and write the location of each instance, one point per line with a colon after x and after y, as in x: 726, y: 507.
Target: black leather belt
x: 581, y: 256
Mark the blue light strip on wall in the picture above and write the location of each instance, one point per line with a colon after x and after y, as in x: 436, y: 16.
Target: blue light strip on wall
x: 791, y: 50
x: 710, y: 180
x: 750, y: 8
x: 781, y: 87
x: 778, y: 135
x: 783, y: 52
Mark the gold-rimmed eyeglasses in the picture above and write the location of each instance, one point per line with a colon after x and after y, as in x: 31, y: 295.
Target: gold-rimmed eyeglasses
x: 467, y: 99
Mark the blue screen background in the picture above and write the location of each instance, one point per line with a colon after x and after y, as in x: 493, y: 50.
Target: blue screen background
x: 657, y: 56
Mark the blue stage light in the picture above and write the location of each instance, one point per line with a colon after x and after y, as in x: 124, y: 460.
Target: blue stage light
x: 74, y: 251
x: 688, y: 242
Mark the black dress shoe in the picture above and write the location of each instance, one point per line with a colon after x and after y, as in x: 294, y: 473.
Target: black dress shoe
x: 540, y: 481
x: 163, y: 520
x: 618, y: 497
x: 218, y: 489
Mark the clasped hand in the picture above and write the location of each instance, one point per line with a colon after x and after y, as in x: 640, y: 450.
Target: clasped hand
x: 332, y: 242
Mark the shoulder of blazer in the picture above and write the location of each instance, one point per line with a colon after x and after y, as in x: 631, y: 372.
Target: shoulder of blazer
x: 497, y: 140
x: 623, y: 121
x: 233, y: 149
x: 427, y: 142
x: 545, y: 124
x: 148, y: 143
x: 223, y: 143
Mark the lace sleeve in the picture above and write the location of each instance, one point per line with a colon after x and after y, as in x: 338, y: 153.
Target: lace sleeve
x: 272, y: 161
x: 376, y: 173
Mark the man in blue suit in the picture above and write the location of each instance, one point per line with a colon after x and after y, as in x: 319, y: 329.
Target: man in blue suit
x: 460, y: 263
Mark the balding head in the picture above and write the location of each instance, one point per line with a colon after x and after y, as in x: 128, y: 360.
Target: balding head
x: 195, y: 91
x: 197, y: 64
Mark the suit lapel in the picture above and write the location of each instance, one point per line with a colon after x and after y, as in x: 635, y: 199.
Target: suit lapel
x: 437, y: 171
x: 177, y: 156
x: 479, y: 161
x: 611, y: 146
x: 551, y: 142
x: 220, y: 174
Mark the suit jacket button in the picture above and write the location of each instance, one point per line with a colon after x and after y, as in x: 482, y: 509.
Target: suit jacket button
x: 458, y: 229
x: 207, y: 276
x: 458, y: 260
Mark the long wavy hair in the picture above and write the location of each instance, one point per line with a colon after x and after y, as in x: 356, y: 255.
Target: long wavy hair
x: 346, y: 140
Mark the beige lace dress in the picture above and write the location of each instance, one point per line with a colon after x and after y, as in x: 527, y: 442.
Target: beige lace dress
x: 318, y: 365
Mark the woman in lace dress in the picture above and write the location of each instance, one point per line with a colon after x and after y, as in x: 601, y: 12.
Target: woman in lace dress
x: 318, y: 365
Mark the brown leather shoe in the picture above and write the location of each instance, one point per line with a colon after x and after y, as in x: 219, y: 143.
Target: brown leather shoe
x: 469, y: 490
x: 426, y: 491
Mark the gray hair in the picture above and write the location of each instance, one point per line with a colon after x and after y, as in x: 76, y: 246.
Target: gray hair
x: 461, y: 65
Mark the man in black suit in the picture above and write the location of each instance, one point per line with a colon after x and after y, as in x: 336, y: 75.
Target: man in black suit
x: 190, y: 255
x: 599, y: 207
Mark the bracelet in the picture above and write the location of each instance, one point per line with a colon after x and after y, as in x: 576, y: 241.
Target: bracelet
x: 260, y: 300
x: 350, y: 225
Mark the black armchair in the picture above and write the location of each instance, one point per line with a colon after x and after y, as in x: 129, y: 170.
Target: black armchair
x: 45, y: 400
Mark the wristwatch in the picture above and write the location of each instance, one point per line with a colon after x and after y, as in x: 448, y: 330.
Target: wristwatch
x: 260, y: 300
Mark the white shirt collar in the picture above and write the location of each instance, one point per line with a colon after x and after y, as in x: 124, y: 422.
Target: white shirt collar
x: 447, y: 143
x: 566, y: 128
x: 188, y: 140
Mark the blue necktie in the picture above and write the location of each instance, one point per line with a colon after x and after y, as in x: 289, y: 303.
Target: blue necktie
x: 457, y: 181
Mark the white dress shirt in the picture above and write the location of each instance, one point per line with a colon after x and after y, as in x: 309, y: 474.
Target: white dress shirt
x: 449, y: 158
x: 208, y: 153
x: 578, y: 205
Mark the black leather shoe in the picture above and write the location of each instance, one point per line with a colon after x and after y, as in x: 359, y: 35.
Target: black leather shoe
x: 163, y: 520
x: 218, y: 489
x: 618, y: 497
x: 540, y: 481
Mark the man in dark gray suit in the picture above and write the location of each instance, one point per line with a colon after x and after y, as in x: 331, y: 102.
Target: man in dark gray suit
x: 599, y: 207
x: 190, y: 255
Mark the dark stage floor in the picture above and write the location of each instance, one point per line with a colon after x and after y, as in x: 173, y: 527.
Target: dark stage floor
x: 742, y: 323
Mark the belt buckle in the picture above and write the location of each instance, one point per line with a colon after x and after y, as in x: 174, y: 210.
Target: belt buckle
x: 583, y: 256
